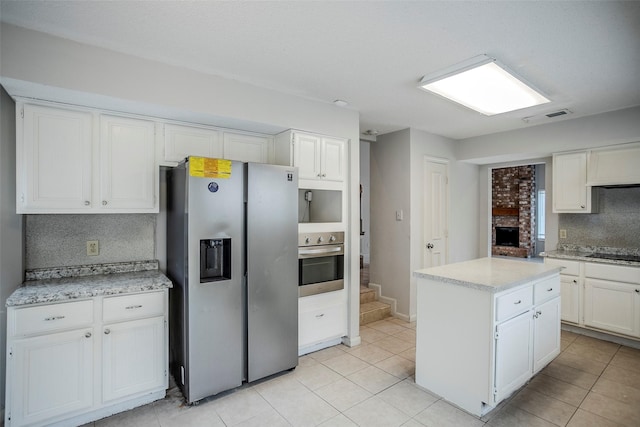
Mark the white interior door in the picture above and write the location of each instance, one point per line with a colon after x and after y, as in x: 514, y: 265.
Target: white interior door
x: 436, y: 212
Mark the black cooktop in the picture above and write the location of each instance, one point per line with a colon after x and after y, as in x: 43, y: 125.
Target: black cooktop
x: 616, y: 257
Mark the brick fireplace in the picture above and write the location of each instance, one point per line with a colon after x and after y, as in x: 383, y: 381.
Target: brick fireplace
x: 513, y: 205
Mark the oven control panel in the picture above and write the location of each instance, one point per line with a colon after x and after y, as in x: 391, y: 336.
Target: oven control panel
x: 317, y: 239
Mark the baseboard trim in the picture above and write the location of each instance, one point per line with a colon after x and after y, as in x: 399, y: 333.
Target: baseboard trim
x: 391, y: 301
x: 601, y: 335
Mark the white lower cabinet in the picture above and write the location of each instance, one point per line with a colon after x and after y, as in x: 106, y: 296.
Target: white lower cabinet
x: 49, y: 376
x: 322, y: 321
x: 612, y: 306
x: 546, y: 335
x: 513, y: 354
x: 74, y: 362
x: 133, y: 357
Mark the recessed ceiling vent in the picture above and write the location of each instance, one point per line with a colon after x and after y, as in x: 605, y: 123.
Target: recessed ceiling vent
x: 546, y: 116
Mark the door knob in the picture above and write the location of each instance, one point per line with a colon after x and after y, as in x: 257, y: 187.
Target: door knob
x: 429, y: 245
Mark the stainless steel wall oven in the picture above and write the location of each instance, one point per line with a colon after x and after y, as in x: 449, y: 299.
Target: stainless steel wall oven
x: 320, y: 262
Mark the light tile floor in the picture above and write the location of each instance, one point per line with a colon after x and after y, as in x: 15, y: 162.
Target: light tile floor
x: 591, y: 383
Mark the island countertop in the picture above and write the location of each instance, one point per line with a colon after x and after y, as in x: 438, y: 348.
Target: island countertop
x: 488, y: 274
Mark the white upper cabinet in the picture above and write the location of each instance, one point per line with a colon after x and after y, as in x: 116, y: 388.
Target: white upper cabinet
x: 74, y: 161
x: 54, y: 156
x: 317, y: 157
x: 182, y: 141
x: 246, y: 148
x: 570, y: 191
x: 615, y: 166
x: 128, y: 174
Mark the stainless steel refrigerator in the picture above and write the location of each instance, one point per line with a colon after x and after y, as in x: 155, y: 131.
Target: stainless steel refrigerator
x: 232, y: 256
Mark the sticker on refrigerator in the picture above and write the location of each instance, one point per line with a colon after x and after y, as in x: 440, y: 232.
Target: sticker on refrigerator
x: 203, y: 167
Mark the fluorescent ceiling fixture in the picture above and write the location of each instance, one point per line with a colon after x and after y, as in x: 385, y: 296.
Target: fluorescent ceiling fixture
x: 484, y: 86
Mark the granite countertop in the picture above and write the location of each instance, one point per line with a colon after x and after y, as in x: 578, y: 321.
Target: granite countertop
x: 59, y: 284
x: 488, y: 274
x: 582, y: 253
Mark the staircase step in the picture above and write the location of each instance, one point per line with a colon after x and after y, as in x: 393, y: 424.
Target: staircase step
x: 367, y: 294
x: 374, y: 311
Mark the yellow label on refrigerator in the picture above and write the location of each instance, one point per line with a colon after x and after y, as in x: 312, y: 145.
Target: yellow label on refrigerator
x: 204, y: 167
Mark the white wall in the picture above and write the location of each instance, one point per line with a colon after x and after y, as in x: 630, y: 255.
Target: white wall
x: 11, y: 249
x: 390, y: 239
x: 397, y: 184
x: 617, y: 127
x: 463, y: 203
x: 63, y: 70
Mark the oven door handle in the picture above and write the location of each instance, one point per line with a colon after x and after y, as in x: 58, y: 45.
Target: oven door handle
x: 311, y: 253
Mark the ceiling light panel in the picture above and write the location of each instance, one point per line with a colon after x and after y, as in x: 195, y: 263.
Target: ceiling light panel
x: 484, y: 86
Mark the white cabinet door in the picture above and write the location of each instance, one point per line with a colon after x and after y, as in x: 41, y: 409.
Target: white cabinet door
x: 54, y: 160
x: 306, y: 156
x: 332, y: 159
x: 570, y: 296
x: 133, y: 357
x: 513, y: 354
x: 246, y: 148
x: 612, y: 306
x: 546, y: 336
x: 615, y: 165
x: 183, y: 141
x: 570, y: 192
x: 127, y: 164
x: 51, y: 375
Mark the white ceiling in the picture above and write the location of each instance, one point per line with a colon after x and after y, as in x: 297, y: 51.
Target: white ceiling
x: 584, y: 55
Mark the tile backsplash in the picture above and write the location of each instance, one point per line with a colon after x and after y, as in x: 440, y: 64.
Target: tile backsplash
x: 61, y: 240
x: 617, y: 223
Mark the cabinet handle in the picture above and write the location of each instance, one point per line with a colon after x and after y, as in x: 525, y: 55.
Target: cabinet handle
x: 132, y: 307
x: 549, y: 290
x: 319, y: 175
x: 518, y: 302
x: 324, y: 174
x: 319, y: 315
x: 87, y: 335
x: 53, y: 318
x: 104, y: 203
x: 107, y: 331
x: 575, y: 281
x: 581, y: 206
x: 638, y: 291
x: 87, y: 203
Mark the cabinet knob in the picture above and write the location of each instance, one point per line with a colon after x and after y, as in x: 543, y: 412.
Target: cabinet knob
x: 87, y: 335
x: 581, y: 206
x: 104, y: 203
x: 518, y: 302
x: 324, y: 175
x: 107, y: 331
x: 87, y: 203
x: 638, y: 291
x: 319, y: 175
x: 549, y: 290
x: 319, y: 315
x: 575, y: 281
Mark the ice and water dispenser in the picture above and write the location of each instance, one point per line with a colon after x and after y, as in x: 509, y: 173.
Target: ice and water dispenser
x: 215, y: 260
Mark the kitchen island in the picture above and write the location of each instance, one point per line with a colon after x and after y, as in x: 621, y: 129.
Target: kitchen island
x: 484, y: 328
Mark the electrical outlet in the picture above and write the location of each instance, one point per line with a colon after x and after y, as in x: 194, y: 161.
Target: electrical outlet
x: 563, y: 234
x: 93, y: 248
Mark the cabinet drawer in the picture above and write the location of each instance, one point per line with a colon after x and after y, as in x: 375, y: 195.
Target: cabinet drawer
x: 615, y: 273
x: 513, y: 303
x: 570, y: 267
x: 133, y: 306
x: 546, y: 289
x: 52, y: 317
x: 322, y: 324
